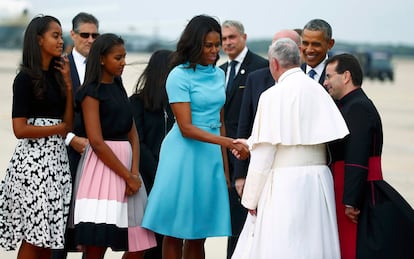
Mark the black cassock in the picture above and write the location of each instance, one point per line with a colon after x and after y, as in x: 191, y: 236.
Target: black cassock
x: 386, y: 223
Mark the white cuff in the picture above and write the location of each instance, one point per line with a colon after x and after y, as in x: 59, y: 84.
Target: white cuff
x: 69, y: 138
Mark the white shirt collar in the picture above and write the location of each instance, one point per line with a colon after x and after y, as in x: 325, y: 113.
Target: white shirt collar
x: 80, y: 64
x: 318, y: 69
x: 241, y: 56
x: 77, y: 56
x: 239, y: 60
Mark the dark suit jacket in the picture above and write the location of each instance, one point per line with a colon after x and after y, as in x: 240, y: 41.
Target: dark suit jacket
x: 75, y: 85
x: 233, y: 102
x: 257, y: 82
x: 250, y: 63
x: 78, y: 129
x: 73, y: 74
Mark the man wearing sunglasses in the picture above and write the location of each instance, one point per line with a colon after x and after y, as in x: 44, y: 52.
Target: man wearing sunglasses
x: 84, y: 32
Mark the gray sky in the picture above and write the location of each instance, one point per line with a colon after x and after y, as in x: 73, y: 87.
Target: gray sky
x: 360, y: 21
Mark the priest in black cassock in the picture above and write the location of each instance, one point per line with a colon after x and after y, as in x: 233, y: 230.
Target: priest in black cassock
x: 374, y: 221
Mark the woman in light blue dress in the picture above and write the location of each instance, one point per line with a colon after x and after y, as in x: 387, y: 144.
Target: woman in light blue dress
x: 189, y: 199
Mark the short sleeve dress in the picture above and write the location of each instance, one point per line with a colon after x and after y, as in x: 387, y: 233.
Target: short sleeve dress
x: 35, y: 193
x: 189, y: 198
x: 103, y: 214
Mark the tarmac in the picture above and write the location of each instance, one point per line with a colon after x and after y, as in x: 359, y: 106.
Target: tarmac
x: 394, y: 101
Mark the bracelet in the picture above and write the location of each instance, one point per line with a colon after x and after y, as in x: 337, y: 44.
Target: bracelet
x: 69, y: 138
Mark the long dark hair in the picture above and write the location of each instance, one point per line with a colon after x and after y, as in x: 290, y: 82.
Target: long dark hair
x: 191, y: 43
x: 151, y: 83
x: 32, y: 55
x: 100, y: 47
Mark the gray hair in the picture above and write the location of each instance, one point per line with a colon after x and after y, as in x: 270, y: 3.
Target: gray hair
x: 236, y: 24
x: 319, y: 25
x: 82, y: 18
x: 286, y: 52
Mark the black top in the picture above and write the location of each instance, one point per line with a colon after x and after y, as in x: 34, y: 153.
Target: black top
x: 26, y: 105
x: 114, y: 108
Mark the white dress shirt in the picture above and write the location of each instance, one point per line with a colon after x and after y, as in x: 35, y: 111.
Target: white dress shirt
x: 80, y: 63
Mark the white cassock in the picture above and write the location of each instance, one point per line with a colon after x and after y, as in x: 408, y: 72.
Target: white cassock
x: 288, y: 180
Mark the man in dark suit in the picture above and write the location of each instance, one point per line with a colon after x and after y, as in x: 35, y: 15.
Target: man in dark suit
x: 257, y: 82
x: 84, y: 32
x: 374, y: 221
x: 245, y: 61
x: 316, y: 42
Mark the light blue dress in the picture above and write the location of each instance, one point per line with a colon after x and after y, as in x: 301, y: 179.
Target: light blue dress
x: 189, y: 198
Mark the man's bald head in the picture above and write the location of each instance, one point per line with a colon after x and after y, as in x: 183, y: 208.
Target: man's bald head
x: 291, y: 34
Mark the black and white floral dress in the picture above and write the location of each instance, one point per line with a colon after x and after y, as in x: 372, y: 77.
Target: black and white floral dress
x: 35, y: 193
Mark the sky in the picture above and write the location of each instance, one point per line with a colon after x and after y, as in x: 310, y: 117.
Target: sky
x: 352, y: 21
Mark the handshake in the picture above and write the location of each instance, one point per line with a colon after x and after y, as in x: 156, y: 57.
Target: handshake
x: 240, y: 149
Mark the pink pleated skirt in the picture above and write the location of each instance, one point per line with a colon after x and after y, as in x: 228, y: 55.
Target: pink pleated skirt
x: 103, y: 215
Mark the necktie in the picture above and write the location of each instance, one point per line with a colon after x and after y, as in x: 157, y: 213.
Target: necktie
x: 233, y: 64
x: 312, y: 74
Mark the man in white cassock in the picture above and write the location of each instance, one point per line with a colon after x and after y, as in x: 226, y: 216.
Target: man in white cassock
x: 289, y: 187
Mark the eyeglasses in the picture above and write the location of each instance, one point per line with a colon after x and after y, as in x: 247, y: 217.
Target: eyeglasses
x: 86, y: 35
x: 329, y: 76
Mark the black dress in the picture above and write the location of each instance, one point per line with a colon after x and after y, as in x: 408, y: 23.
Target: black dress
x: 152, y: 127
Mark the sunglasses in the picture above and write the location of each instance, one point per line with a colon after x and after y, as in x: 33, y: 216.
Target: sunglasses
x: 86, y: 35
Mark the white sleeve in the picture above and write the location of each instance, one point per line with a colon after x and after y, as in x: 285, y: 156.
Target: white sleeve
x: 261, y: 160
x: 69, y: 138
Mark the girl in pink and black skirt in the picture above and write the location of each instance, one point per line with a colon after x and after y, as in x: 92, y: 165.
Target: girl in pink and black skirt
x: 109, y: 195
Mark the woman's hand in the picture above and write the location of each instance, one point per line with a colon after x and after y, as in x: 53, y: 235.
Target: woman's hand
x: 133, y: 184
x: 63, y: 66
x: 240, y: 149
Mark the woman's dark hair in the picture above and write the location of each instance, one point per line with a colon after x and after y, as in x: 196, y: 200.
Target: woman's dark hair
x: 32, y: 55
x: 151, y: 83
x: 191, y: 43
x: 100, y: 47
